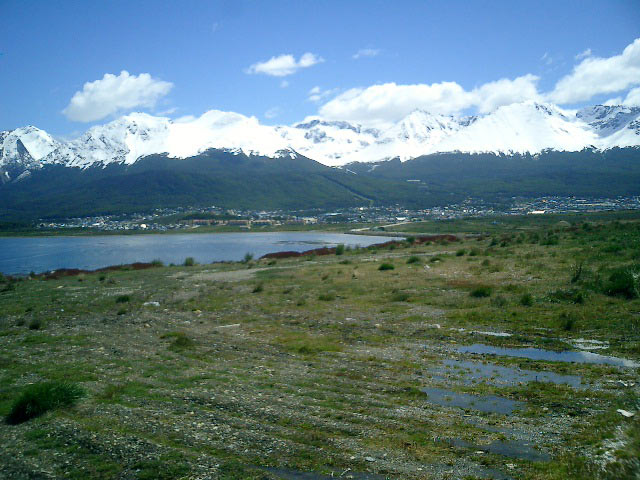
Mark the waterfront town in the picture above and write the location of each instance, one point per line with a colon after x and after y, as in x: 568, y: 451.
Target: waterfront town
x: 186, y: 218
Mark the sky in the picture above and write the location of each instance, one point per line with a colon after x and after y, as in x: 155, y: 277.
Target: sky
x: 68, y: 65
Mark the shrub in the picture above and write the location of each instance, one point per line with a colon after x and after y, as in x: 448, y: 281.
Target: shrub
x: 157, y: 263
x: 460, y: 252
x: 411, y: 240
x: 526, y: 300
x: 35, y: 324
x: 474, y: 252
x: 499, y: 301
x: 39, y: 398
x: 122, y: 311
x: 400, y: 297
x: 386, y: 266
x: 247, y: 257
x: 567, y: 321
x: 413, y: 259
x: 327, y: 297
x: 180, y: 340
x: 624, y: 282
x: 123, y: 298
x: 189, y: 262
x: 258, y: 288
x: 481, y: 292
x: 345, y: 262
x: 576, y: 271
x: 340, y: 249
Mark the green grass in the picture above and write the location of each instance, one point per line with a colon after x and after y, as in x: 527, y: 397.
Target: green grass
x: 39, y: 398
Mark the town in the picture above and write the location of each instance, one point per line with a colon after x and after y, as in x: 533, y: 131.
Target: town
x: 189, y: 218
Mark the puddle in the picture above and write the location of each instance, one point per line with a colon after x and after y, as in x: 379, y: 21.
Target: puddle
x: 474, y: 372
x: 540, y: 354
x: 518, y: 450
x: 289, y: 474
x: 584, y: 344
x: 482, y: 403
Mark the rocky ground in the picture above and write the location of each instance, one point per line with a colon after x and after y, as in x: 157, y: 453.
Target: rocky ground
x: 333, y: 366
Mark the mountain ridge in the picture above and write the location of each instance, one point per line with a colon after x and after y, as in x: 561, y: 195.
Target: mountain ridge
x: 527, y: 127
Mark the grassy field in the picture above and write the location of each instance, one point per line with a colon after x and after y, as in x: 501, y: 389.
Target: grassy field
x: 314, y: 367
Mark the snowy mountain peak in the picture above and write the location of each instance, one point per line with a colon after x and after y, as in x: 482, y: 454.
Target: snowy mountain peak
x: 520, y: 127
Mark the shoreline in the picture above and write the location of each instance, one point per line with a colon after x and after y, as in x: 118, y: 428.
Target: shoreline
x: 321, y: 251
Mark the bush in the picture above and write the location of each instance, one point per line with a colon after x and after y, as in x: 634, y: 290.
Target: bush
x: 247, y: 257
x: 189, y: 262
x: 410, y: 240
x: 526, y: 300
x: 340, y: 249
x: 35, y: 324
x: 481, y: 292
x: 345, y: 262
x: 258, y: 288
x: 327, y: 297
x: 499, y: 301
x: 567, y: 321
x: 460, y: 252
x: 39, y: 398
x: 400, y: 297
x: 413, y: 259
x: 123, y: 298
x: 474, y: 252
x: 157, y: 263
x: 386, y: 266
x: 180, y: 340
x: 624, y: 282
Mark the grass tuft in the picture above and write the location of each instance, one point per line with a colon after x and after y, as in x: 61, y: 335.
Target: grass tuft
x: 39, y: 398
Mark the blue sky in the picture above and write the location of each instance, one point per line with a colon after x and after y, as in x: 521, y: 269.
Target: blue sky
x: 184, y: 58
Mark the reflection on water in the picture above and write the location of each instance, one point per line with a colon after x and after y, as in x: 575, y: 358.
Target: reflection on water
x: 549, y: 355
x: 40, y: 254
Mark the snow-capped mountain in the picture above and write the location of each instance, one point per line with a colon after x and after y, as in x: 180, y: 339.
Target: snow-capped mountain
x: 518, y: 128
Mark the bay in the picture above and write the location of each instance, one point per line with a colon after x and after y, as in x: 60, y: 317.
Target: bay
x: 21, y: 255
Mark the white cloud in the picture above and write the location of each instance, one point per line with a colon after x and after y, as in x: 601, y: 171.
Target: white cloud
x: 584, y: 54
x: 317, y: 94
x: 546, y: 58
x: 365, y: 52
x: 613, y: 101
x: 272, y: 112
x: 492, y: 95
x: 284, y: 84
x: 113, y: 94
x: 284, y: 65
x: 389, y: 102
x: 633, y: 98
x: 595, y: 75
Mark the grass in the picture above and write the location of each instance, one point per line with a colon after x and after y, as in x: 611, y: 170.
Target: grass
x: 324, y: 367
x: 37, y: 399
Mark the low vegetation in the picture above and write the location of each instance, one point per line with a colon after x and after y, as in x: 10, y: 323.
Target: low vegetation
x: 314, y: 366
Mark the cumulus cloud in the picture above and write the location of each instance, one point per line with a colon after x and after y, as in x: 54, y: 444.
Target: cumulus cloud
x: 595, y: 75
x: 492, y: 95
x: 365, y: 52
x: 584, y: 54
x: 389, y: 102
x: 316, y: 94
x: 633, y: 98
x: 284, y: 65
x: 115, y: 93
x: 272, y: 112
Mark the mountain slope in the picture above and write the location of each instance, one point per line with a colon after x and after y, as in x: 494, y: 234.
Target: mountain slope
x: 526, y: 127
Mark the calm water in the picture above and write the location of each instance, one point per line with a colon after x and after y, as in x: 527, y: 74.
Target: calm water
x: 24, y: 255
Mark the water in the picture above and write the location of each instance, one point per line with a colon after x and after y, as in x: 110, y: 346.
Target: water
x: 506, y: 449
x: 474, y: 372
x: 482, y: 403
x: 40, y: 254
x: 540, y: 354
